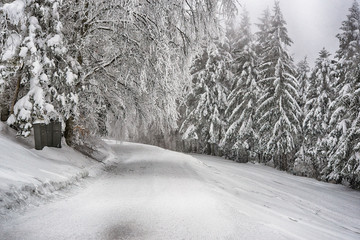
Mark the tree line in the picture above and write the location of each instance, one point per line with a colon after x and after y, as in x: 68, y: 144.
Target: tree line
x: 249, y: 101
x: 169, y: 73
x: 112, y: 68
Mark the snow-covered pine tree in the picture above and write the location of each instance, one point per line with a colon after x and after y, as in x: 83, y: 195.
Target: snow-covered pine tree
x: 278, y: 113
x: 262, y: 43
x: 36, y: 57
x: 240, y: 139
x: 344, y: 161
x: 262, y: 36
x: 187, y: 130
x: 10, y: 39
x: 313, y: 155
x: 206, y: 104
x: 303, y: 70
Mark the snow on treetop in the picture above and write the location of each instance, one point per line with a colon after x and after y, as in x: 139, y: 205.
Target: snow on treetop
x: 14, y: 11
x: 23, y: 52
x: 37, y: 69
x: 190, y: 133
x: 70, y: 77
x: 12, y: 43
x: 54, y: 41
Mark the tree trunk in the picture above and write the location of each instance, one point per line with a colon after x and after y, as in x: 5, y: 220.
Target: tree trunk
x: 69, y: 131
x: 16, y: 94
x: 276, y: 161
x: 208, y: 148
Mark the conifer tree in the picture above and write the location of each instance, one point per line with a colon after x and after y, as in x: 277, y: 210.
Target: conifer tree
x: 262, y: 36
x: 303, y: 70
x: 46, y: 75
x: 207, y: 101
x: 278, y: 113
x: 240, y: 138
x: 344, y: 163
x: 315, y: 149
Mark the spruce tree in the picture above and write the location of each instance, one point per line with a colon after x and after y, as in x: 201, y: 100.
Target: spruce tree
x: 278, y: 114
x: 46, y: 76
x: 206, y: 103
x: 344, y: 163
x: 262, y: 36
x: 303, y: 70
x: 316, y: 121
x: 240, y: 138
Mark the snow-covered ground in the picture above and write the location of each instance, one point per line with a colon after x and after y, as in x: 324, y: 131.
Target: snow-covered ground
x: 27, y: 175
x: 152, y: 193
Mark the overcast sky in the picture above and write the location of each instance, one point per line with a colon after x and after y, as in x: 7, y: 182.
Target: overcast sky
x: 312, y: 24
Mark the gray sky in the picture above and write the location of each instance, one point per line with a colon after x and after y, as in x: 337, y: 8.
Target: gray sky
x: 312, y: 24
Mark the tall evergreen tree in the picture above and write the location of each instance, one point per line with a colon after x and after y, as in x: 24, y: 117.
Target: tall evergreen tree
x: 46, y: 75
x: 344, y: 163
x: 240, y: 138
x: 262, y: 36
x: 314, y: 153
x: 303, y: 70
x: 278, y: 113
x: 207, y: 102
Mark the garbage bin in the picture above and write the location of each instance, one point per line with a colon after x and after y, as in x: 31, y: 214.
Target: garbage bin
x: 40, y: 135
x: 47, y: 135
x: 56, y: 134
x: 4, y: 114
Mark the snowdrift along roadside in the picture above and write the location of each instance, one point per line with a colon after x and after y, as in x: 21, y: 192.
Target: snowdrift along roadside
x: 27, y: 174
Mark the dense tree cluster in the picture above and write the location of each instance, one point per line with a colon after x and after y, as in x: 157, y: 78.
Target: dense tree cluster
x: 206, y: 102
x: 305, y: 121
x: 108, y: 67
x: 149, y: 70
x: 38, y: 73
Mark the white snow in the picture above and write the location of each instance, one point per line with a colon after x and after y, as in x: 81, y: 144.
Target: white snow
x: 11, y: 45
x: 11, y: 119
x: 22, y: 168
x: 14, y: 11
x: 70, y: 77
x: 190, y: 133
x: 23, y: 109
x: 152, y: 193
x: 37, y: 68
x: 74, y: 98
x: 23, y: 52
x: 50, y: 109
x: 37, y: 94
x: 44, y: 77
x: 54, y: 41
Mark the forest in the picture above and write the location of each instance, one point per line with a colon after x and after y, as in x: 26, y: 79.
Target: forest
x: 185, y: 75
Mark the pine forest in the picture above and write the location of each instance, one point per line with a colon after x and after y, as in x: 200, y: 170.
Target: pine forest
x: 193, y: 76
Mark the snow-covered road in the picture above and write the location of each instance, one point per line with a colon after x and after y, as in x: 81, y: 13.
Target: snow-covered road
x: 151, y: 193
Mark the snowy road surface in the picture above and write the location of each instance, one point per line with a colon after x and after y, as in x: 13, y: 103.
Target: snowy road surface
x: 151, y: 193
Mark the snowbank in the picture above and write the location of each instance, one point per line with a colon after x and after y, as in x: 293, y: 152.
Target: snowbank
x: 27, y: 174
